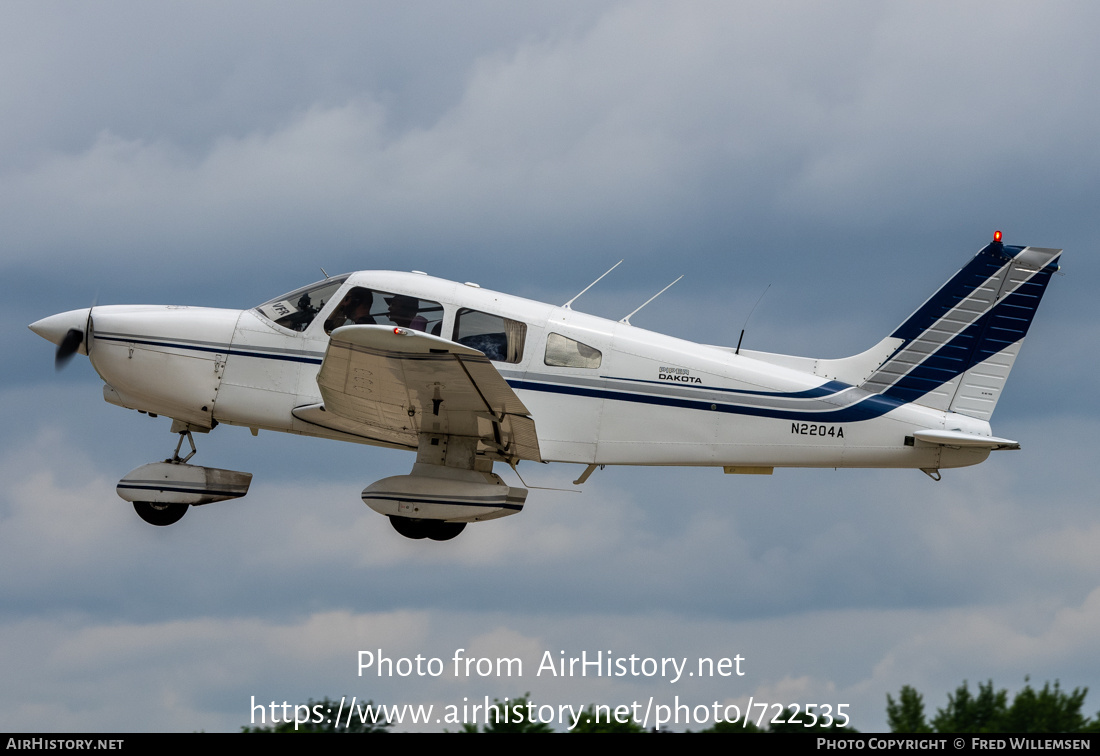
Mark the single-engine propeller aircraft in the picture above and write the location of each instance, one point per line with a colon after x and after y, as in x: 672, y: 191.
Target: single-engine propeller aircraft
x: 467, y: 377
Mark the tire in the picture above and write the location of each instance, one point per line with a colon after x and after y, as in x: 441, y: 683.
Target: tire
x: 445, y: 531
x: 160, y: 514
x: 410, y: 528
x: 436, y: 530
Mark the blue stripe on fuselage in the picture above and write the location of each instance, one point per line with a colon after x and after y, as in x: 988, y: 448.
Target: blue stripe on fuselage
x: 826, y: 389
x: 867, y: 408
x: 213, y: 350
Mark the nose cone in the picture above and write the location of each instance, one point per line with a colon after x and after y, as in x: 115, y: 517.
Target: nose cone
x: 54, y: 328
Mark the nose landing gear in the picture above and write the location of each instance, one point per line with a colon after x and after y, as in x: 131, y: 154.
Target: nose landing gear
x: 162, y: 492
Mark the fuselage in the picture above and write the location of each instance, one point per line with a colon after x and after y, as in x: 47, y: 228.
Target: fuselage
x: 599, y: 391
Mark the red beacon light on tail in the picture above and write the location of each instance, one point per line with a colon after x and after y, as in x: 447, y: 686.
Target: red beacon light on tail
x: 997, y: 237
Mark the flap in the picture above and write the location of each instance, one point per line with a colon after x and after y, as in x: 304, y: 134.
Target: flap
x: 398, y: 383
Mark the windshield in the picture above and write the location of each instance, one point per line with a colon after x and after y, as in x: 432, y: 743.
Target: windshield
x: 297, y: 309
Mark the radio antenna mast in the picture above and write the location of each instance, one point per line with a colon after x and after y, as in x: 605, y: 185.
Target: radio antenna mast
x: 586, y: 288
x: 662, y: 291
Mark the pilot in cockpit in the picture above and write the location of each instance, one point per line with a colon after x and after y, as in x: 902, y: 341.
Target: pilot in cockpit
x: 359, y: 309
x: 354, y: 310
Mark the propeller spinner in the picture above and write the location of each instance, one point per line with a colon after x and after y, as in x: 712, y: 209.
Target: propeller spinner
x: 69, y: 330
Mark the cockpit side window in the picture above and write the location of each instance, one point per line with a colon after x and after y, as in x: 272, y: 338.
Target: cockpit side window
x: 362, y: 306
x: 297, y: 309
x: 562, y: 351
x: 501, y: 339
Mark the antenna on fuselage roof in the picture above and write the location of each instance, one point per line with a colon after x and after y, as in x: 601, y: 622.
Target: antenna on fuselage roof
x: 662, y: 291
x: 742, y: 336
x: 586, y: 288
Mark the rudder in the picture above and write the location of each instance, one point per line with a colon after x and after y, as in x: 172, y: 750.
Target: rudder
x: 957, y: 349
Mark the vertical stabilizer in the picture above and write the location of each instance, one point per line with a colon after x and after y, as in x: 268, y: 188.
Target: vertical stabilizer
x: 957, y: 349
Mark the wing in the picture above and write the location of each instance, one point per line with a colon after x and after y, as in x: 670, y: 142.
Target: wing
x: 391, y: 384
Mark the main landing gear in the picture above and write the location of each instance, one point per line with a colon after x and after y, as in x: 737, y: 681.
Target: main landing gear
x: 449, y: 486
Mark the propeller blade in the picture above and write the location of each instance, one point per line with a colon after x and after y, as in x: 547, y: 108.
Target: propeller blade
x: 68, y: 346
x: 89, y: 330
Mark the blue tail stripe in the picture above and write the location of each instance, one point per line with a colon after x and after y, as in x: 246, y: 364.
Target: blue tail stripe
x: 975, y: 273
x: 1002, y: 326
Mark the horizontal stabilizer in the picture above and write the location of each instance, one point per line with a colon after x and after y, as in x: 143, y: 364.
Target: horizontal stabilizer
x: 967, y: 440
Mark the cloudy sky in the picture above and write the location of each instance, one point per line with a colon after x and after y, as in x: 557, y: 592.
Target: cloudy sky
x: 850, y: 155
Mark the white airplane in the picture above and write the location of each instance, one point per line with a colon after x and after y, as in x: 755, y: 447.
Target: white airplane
x: 466, y: 377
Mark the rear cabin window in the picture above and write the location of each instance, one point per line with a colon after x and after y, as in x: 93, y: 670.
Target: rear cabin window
x: 562, y: 351
x: 501, y: 339
x: 362, y: 306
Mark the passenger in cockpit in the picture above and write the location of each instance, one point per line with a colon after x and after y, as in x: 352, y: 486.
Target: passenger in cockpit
x: 404, y: 311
